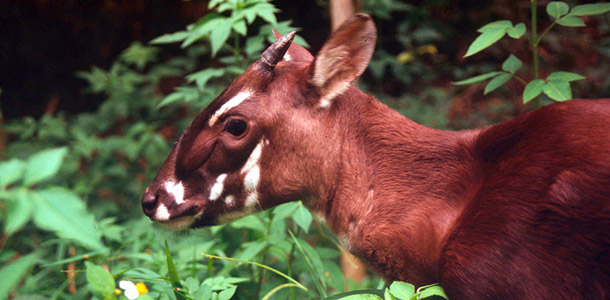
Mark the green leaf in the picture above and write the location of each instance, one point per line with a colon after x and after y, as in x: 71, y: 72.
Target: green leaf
x: 486, y: 39
x: 240, y: 27
x: 590, y: 9
x: 362, y: 297
x: 100, y: 280
x: 219, y: 35
x: 497, y: 82
x: 20, y: 211
x: 387, y: 295
x: 169, y: 38
x: 517, y: 31
x: 202, y: 77
x: 478, y: 78
x: 11, y: 171
x: 433, y: 291
x: 512, y: 64
x: 11, y: 274
x: 173, y: 274
x: 252, y: 250
x: 227, y: 294
x: 43, y: 165
x: 533, y: 89
x: 502, y: 24
x: 558, y: 90
x: 571, y: 21
x: 556, y: 9
x: 565, y: 76
x: 63, y: 212
x: 267, y: 12
x: 402, y: 290
x: 250, y: 222
x: 302, y: 217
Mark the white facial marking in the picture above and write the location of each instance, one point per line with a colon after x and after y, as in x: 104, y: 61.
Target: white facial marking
x: 162, y: 213
x: 253, y: 159
x: 251, y: 179
x: 233, y: 102
x: 229, y: 200
x: 287, y: 57
x: 176, y: 190
x: 251, y: 200
x: 218, y: 187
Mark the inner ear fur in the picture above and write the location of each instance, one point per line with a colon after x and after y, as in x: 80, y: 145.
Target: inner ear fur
x: 343, y: 57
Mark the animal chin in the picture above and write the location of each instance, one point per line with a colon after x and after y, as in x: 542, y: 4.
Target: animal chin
x: 179, y: 223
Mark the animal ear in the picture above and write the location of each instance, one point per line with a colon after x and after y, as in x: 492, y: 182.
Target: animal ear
x: 343, y: 57
x: 295, y: 52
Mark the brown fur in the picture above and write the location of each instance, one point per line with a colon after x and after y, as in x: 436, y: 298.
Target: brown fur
x: 516, y: 210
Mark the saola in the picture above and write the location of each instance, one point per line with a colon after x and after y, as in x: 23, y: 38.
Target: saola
x: 519, y: 209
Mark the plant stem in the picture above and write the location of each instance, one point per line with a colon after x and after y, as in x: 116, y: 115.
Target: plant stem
x: 535, y: 43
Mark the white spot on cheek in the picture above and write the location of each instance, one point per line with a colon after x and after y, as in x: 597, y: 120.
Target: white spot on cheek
x: 162, y: 213
x: 229, y: 200
x: 218, y: 187
x: 287, y: 57
x: 253, y: 159
x: 176, y: 190
x: 233, y: 102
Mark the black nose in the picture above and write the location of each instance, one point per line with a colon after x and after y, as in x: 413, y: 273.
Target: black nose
x: 149, y: 202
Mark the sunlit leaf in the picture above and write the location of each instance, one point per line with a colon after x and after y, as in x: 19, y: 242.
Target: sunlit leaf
x: 478, y: 78
x: 434, y: 291
x: 571, y: 21
x: 558, y: 90
x: 11, y: 274
x: 497, y: 82
x: 11, y: 171
x: 502, y: 24
x: 486, y: 39
x: 63, y: 212
x: 512, y: 64
x: 533, y: 89
x: 100, y: 280
x: 170, y: 38
x: 517, y: 31
x: 219, y: 35
x: 565, y: 76
x: 20, y: 209
x: 302, y: 217
x: 402, y: 290
x: 43, y: 165
x: 557, y: 9
x: 590, y: 9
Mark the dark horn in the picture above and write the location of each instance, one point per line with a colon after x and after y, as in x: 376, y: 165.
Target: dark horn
x: 276, y: 51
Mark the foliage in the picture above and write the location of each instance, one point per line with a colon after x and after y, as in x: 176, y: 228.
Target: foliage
x: 556, y: 85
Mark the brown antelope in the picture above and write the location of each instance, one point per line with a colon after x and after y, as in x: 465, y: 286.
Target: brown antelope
x: 516, y: 210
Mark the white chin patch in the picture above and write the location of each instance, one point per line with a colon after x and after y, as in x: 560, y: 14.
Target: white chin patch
x: 162, y: 213
x: 176, y: 189
x: 179, y: 223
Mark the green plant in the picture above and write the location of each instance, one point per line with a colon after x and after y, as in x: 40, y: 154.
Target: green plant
x: 556, y: 85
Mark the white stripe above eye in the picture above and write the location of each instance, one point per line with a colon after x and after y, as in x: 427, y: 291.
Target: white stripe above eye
x: 233, y: 102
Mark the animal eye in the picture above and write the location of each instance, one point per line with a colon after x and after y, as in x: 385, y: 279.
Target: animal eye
x: 236, y: 127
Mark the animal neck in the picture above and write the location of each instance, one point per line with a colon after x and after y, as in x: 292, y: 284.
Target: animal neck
x: 398, y: 189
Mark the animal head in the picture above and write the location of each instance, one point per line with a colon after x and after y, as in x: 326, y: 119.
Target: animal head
x: 267, y: 139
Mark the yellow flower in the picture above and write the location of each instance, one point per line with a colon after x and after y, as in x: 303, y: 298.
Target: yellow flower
x: 142, y: 289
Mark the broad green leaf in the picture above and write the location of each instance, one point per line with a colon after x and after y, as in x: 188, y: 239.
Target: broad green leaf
x: 571, y: 21
x: 43, y: 165
x: 533, y: 89
x: 202, y: 28
x: 11, y: 274
x: 512, y: 64
x: 478, y: 78
x: 302, y: 217
x: 590, y: 9
x: 63, y: 212
x: 20, y: 209
x: 285, y: 210
x: 387, y: 295
x: 227, y: 294
x: 556, y: 9
x: 168, y: 38
x: 558, y: 90
x: 433, y: 291
x: 565, y: 76
x: 267, y: 12
x: 11, y: 171
x: 486, y: 39
x: 252, y: 250
x: 517, y: 31
x: 250, y: 222
x: 219, y: 35
x: 497, y: 82
x: 502, y: 24
x: 402, y: 290
x: 100, y: 280
x: 202, y: 77
x: 361, y: 297
x: 313, y: 262
x: 240, y: 27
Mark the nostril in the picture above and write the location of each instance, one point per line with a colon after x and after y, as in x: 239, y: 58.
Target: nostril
x: 149, y: 202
